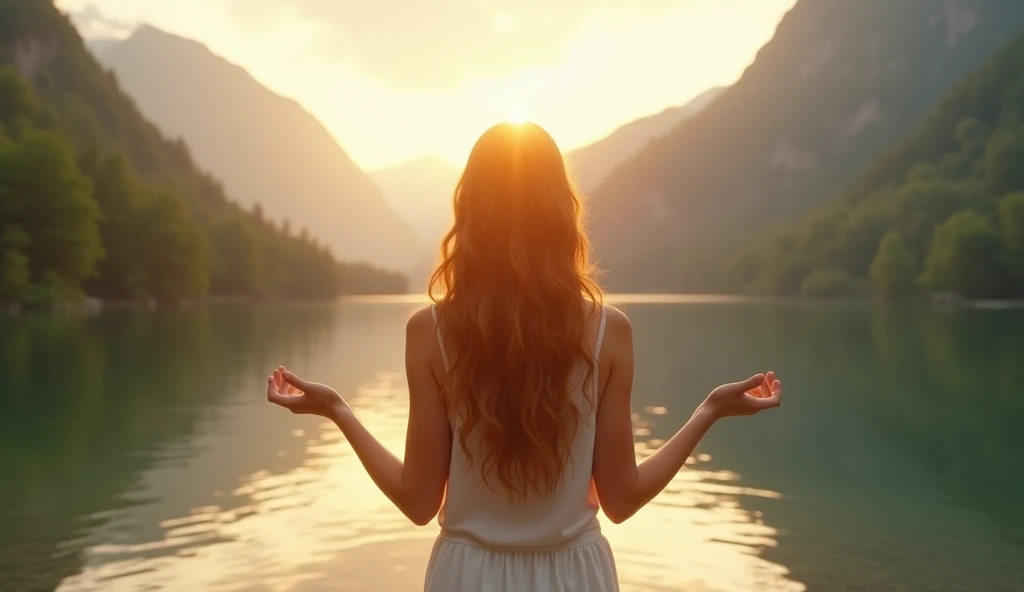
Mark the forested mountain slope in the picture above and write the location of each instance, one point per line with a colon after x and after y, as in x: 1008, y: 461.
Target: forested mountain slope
x: 94, y: 199
x: 942, y: 211
x: 839, y: 82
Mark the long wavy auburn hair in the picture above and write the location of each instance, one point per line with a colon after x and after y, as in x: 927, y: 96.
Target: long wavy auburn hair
x: 514, y: 289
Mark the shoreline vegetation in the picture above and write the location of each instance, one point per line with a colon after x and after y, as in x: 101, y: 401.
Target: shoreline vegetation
x: 97, y: 203
x: 938, y: 215
x: 90, y: 305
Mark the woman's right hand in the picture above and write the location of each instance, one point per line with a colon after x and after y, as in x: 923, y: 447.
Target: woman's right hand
x: 757, y: 393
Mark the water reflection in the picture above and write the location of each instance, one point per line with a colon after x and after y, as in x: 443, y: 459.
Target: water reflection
x: 139, y: 453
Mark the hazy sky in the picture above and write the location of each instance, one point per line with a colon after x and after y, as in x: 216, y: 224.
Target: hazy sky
x: 398, y: 79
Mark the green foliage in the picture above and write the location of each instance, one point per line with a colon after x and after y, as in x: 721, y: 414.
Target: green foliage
x: 918, y: 207
x: 1004, y: 162
x: 936, y: 198
x: 43, y: 193
x: 831, y: 282
x: 1011, y: 223
x: 110, y: 206
x: 735, y: 169
x: 14, y: 271
x: 175, y: 251
x: 965, y: 257
x: 16, y: 97
x: 857, y: 238
x: 239, y: 264
x: 122, y: 274
x: 894, y: 268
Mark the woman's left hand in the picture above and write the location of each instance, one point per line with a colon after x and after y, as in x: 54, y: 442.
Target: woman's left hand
x: 302, y: 397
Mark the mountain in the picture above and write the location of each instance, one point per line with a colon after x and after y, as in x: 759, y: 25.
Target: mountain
x: 942, y: 210
x: 101, y: 46
x: 839, y: 82
x: 420, y: 191
x: 265, y: 148
x: 97, y: 201
x: 593, y: 163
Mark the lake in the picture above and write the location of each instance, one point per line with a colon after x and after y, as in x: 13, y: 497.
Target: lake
x: 138, y: 452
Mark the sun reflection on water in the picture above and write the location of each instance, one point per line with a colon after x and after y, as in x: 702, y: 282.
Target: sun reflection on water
x: 323, y: 521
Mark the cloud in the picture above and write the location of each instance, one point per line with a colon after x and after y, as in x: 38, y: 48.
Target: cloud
x: 94, y: 24
x: 436, y: 45
x: 396, y: 79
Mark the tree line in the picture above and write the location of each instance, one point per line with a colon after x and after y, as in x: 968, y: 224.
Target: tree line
x: 941, y: 212
x: 95, y: 201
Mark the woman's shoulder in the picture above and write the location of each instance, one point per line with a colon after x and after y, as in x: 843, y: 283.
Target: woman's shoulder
x: 422, y: 321
x: 618, y: 335
x: 616, y: 321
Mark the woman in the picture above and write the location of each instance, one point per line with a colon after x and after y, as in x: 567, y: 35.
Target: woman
x: 519, y: 390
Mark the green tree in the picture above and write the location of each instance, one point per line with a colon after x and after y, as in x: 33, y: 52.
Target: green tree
x: 920, y: 207
x: 894, y: 268
x: 972, y: 135
x: 43, y: 193
x: 16, y: 97
x: 1003, y: 160
x: 857, y: 239
x: 14, y: 272
x: 831, y: 282
x: 176, y: 259
x: 238, y: 261
x: 964, y: 257
x: 1011, y: 223
x: 783, y: 267
x: 122, y: 273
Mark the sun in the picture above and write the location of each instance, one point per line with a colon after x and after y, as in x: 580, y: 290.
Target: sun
x: 518, y: 115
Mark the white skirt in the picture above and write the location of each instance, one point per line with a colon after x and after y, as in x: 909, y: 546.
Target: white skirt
x: 458, y: 565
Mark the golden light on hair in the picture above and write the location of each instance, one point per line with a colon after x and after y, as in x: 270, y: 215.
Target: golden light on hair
x: 518, y: 115
x: 514, y: 291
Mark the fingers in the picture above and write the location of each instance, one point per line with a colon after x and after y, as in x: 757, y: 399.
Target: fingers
x: 766, y: 386
x: 760, y: 404
x: 751, y: 383
x: 279, y: 382
x: 295, y: 381
x: 282, y: 384
x: 274, y: 396
x: 768, y: 402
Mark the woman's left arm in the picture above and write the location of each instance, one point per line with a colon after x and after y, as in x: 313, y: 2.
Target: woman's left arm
x: 416, y: 486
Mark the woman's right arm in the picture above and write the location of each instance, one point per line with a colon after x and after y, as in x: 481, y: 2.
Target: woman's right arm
x: 623, y: 486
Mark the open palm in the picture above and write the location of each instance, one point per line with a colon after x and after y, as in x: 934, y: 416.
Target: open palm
x: 757, y: 393
x: 302, y: 397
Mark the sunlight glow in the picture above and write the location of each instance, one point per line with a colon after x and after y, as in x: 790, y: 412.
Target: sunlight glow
x: 505, y: 22
x: 582, y: 68
x: 518, y: 115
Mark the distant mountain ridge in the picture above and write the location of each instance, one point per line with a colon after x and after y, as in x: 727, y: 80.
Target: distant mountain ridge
x: 267, y: 149
x: 592, y: 164
x: 421, y: 190
x: 838, y: 83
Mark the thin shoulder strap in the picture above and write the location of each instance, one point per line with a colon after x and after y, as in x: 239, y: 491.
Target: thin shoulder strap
x: 600, y: 334
x: 440, y: 340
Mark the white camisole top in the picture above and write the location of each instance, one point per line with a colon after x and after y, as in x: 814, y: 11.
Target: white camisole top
x: 475, y: 514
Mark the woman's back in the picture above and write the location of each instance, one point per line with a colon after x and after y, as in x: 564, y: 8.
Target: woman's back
x: 491, y: 541
x: 478, y: 512
x: 519, y: 390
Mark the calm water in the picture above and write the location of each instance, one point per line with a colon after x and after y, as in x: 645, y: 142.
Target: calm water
x: 137, y: 451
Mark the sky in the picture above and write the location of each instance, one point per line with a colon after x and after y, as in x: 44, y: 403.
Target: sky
x: 395, y: 80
